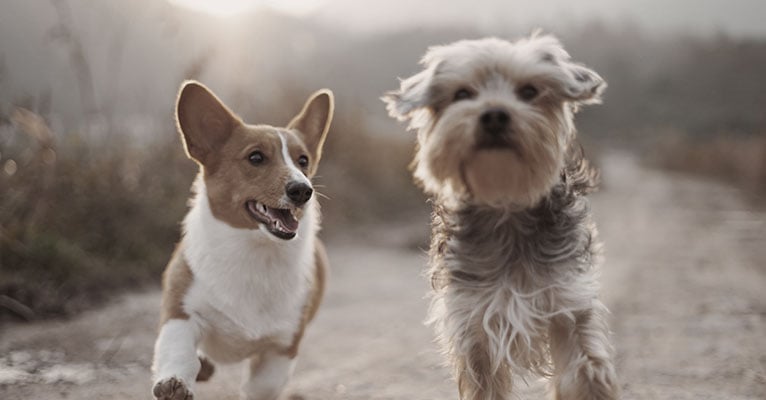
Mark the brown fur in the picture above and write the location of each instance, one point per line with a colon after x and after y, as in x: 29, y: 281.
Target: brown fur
x: 206, y: 370
x: 314, y: 298
x: 235, y: 181
x: 313, y: 119
x: 475, y: 379
x: 175, y: 282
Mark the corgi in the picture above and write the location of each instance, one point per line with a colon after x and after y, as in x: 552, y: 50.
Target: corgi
x: 249, y: 272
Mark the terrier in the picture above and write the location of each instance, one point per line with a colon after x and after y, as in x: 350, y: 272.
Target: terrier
x: 514, y: 253
x: 249, y: 273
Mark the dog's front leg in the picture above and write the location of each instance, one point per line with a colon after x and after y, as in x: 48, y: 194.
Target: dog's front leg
x: 176, y: 363
x: 476, y: 379
x: 266, y: 375
x: 582, y: 357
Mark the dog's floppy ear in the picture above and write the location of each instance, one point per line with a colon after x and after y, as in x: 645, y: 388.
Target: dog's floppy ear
x: 313, y: 122
x: 571, y: 81
x: 204, y: 122
x: 580, y: 84
x: 411, y: 95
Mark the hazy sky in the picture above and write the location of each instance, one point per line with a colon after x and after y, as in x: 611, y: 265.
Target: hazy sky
x: 740, y: 18
x: 737, y: 17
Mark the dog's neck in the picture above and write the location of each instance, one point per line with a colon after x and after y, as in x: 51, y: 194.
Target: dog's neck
x: 556, y: 230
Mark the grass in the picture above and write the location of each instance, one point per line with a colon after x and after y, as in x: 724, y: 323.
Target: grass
x: 81, y: 219
x: 736, y: 159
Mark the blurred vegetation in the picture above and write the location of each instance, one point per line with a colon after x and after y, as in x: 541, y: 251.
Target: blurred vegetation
x: 93, y: 187
x: 738, y: 160
x: 80, y: 219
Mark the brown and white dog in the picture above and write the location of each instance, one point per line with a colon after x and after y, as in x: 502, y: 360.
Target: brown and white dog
x: 249, y: 272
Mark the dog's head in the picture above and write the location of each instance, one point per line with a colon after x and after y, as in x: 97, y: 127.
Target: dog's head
x: 256, y: 176
x: 494, y: 118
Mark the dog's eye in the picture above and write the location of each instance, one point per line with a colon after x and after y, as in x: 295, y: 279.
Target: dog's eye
x: 527, y: 92
x: 462, y: 94
x: 303, y: 161
x: 256, y: 157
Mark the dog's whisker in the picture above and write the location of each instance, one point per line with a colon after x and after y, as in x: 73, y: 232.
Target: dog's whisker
x: 322, y: 195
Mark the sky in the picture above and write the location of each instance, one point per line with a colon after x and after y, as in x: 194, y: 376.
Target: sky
x: 738, y: 18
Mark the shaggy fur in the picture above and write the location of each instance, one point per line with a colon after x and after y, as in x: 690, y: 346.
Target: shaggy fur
x: 514, y: 249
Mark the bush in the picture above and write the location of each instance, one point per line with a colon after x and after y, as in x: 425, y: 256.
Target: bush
x: 80, y: 219
x: 737, y: 159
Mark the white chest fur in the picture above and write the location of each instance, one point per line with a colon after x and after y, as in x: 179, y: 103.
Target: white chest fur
x: 247, y: 285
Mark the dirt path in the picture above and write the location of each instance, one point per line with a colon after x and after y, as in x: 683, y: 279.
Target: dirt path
x: 685, y: 278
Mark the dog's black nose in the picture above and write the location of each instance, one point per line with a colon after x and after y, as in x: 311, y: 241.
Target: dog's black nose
x: 299, y: 192
x: 495, y: 121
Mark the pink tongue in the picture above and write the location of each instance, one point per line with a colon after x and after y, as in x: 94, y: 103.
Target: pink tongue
x: 284, y: 216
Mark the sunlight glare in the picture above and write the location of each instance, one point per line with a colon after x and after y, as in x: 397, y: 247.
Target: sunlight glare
x: 233, y: 7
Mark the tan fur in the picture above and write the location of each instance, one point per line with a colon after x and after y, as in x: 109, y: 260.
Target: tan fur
x: 242, y: 347
x: 314, y: 298
x: 204, y: 122
x: 310, y: 119
x: 235, y: 181
x: 175, y: 282
x: 475, y: 377
x: 206, y: 370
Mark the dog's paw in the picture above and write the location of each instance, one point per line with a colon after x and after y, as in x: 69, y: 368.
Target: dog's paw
x: 171, y: 389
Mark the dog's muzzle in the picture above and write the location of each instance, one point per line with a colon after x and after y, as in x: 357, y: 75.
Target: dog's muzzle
x: 495, y: 121
x: 298, y: 192
x: 494, y: 129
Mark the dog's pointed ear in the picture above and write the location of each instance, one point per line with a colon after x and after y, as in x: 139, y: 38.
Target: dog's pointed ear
x: 204, y: 122
x: 313, y: 122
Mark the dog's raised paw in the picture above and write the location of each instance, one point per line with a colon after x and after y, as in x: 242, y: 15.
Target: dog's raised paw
x: 171, y: 389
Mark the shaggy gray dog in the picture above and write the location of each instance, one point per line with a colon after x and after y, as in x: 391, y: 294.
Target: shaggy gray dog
x: 514, y: 251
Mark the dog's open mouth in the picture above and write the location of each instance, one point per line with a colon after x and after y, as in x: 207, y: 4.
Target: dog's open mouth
x: 281, y: 222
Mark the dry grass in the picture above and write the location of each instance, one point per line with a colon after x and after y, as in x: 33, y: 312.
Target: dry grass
x: 80, y: 219
x: 737, y: 159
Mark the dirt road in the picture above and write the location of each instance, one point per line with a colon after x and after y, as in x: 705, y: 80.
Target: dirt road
x: 685, y: 279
